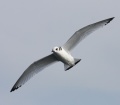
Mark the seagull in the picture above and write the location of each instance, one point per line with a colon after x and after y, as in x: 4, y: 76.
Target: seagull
x: 61, y: 53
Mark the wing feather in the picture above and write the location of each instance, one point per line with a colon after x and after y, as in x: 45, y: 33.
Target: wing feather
x: 82, y: 33
x: 33, y: 69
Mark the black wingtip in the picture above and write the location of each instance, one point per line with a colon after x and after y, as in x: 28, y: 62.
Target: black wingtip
x: 110, y: 19
x: 14, y: 88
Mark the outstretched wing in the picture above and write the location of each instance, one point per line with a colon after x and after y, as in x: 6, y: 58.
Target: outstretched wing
x: 82, y: 33
x: 33, y: 69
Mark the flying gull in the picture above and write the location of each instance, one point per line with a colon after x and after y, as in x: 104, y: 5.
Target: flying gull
x: 61, y: 53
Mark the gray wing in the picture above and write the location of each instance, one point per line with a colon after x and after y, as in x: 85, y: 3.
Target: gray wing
x: 82, y: 33
x: 33, y: 69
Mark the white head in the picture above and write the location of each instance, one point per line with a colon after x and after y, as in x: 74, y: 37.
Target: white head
x: 57, y: 49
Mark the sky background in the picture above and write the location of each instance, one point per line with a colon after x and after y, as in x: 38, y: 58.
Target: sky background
x: 29, y: 29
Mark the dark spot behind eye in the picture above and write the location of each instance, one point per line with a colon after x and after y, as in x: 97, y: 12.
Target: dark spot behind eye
x: 60, y: 48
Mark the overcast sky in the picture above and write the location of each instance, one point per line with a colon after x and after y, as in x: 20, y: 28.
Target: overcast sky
x: 29, y: 29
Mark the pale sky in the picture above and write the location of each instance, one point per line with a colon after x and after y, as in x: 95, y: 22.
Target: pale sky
x: 29, y: 29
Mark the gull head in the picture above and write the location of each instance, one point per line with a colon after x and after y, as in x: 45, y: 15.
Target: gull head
x: 56, y: 49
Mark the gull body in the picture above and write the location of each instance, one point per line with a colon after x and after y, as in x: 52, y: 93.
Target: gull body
x: 60, y: 54
x: 64, y: 56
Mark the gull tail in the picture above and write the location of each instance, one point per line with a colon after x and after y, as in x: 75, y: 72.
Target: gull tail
x: 67, y: 67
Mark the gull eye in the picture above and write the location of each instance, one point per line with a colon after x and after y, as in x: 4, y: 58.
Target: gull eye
x: 56, y: 49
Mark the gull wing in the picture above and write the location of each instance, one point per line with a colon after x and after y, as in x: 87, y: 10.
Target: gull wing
x: 33, y: 69
x: 82, y: 33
